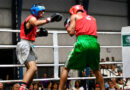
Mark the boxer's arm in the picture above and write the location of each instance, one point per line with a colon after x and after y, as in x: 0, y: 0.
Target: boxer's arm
x: 55, y: 17
x: 33, y: 21
x: 71, y: 27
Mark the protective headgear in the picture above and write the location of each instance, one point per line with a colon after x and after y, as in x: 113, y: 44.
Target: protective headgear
x: 35, y: 9
x: 74, y: 9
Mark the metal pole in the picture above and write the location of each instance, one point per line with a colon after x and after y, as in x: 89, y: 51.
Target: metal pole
x: 128, y: 12
x: 18, y: 35
x: 14, y: 3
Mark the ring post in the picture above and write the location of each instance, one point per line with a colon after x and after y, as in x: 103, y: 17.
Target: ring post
x: 56, y: 55
x: 125, y: 35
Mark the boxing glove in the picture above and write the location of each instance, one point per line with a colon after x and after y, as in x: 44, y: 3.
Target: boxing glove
x: 42, y: 32
x: 55, y: 17
x: 67, y: 23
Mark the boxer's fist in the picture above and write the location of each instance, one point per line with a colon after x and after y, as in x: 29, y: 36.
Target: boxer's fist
x: 67, y: 23
x: 55, y: 17
x: 42, y: 32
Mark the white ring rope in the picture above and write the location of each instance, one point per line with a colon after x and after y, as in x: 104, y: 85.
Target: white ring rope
x: 49, y: 79
x: 14, y: 46
x: 41, y: 65
x: 45, y: 65
x: 19, y: 65
x: 56, y: 31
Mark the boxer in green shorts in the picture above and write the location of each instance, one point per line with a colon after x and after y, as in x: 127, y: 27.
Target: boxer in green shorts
x: 86, y: 52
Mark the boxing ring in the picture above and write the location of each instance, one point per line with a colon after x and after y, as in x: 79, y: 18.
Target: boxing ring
x: 56, y: 56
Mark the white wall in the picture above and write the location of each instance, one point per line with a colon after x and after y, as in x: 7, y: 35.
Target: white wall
x: 110, y: 15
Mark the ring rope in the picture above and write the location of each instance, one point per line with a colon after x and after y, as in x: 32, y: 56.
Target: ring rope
x: 14, y: 46
x: 49, y: 79
x: 56, y: 31
x: 41, y: 65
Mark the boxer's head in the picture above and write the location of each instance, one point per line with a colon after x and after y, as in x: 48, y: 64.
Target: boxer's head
x: 74, y: 9
x: 36, y: 9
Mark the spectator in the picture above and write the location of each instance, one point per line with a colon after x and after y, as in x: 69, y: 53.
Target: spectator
x: 16, y: 86
x: 110, y: 68
x: 84, y: 82
x: 66, y: 88
x: 35, y: 86
x: 106, y: 83
x: 77, y: 86
x: 44, y: 83
x: 119, y: 73
x: 8, y: 85
x: 113, y: 65
x: 127, y: 84
x: 55, y: 86
x: 49, y: 86
x: 108, y: 65
x: 102, y: 66
x: 69, y: 85
x: 92, y: 82
x: 97, y: 87
x: 112, y: 85
x: 105, y: 71
x: 120, y: 83
x: 31, y: 87
x: 1, y: 86
x: 113, y: 59
x: 107, y: 59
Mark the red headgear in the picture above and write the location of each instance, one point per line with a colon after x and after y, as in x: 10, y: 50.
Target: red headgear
x: 74, y: 9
